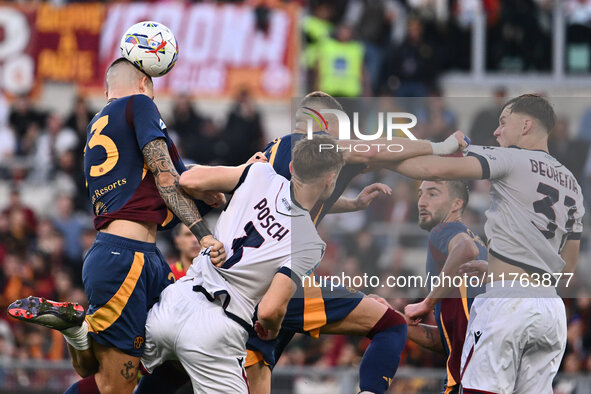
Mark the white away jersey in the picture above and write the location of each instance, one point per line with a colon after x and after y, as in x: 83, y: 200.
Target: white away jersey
x: 263, y: 232
x: 536, y: 206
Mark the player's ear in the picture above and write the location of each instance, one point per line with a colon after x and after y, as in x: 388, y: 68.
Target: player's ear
x: 290, y: 168
x: 456, y: 205
x: 143, y: 85
x: 527, y: 125
x: 106, y: 94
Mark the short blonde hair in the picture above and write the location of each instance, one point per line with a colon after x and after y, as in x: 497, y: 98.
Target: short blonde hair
x: 309, y: 162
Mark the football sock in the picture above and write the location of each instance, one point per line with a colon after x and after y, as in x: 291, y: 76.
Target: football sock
x: 77, y: 337
x: 84, y: 386
x: 381, y: 359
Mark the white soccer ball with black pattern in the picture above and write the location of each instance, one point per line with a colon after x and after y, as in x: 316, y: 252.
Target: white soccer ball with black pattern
x: 151, y: 47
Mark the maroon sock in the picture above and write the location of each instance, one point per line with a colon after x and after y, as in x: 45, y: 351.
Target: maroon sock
x: 84, y: 386
x: 390, y: 318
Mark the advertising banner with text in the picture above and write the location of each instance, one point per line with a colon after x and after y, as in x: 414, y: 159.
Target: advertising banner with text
x: 222, y: 48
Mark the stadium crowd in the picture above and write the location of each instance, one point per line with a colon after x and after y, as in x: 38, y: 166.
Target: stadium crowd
x: 42, y: 248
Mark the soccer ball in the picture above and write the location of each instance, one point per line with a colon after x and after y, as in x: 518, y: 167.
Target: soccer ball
x: 151, y: 47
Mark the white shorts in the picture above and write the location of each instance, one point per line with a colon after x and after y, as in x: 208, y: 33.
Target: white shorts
x: 185, y: 326
x: 514, y: 344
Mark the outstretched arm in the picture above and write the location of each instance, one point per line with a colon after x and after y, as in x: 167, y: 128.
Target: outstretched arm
x: 434, y: 168
x: 204, y: 178
x: 166, y: 177
x: 398, y: 149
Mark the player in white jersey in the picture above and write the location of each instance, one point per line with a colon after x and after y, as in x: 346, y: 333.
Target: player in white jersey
x: 203, y: 319
x: 517, y: 330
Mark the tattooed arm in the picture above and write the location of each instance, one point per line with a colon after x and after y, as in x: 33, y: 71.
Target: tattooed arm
x: 166, y: 177
x: 426, y: 336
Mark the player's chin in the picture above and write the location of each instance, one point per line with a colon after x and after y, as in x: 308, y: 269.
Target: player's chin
x: 425, y: 223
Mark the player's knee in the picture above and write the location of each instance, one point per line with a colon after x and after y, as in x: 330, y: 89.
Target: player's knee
x: 83, y: 372
x: 391, y: 321
x: 85, y: 364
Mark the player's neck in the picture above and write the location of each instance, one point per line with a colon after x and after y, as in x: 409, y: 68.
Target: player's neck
x: 452, y: 217
x: 305, y: 195
x: 118, y: 93
x: 186, y: 262
x: 534, y: 144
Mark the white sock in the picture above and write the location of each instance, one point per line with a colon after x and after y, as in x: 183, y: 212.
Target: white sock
x: 77, y: 337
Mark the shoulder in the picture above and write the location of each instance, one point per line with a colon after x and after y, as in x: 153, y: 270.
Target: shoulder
x: 258, y: 171
x: 265, y: 169
x: 446, y: 230
x: 141, y: 103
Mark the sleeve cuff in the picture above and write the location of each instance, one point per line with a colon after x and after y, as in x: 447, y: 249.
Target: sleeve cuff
x: 483, y: 163
x: 574, y: 236
x: 290, y: 274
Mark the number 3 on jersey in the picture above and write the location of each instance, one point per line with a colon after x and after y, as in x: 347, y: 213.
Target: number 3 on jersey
x: 107, y: 143
x: 544, y: 206
x: 252, y: 239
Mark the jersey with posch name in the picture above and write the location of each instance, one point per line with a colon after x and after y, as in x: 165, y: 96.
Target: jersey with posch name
x: 264, y: 231
x: 536, y: 206
x: 278, y: 153
x: 120, y: 185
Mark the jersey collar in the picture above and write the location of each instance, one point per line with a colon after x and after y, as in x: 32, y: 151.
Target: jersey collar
x: 286, y: 204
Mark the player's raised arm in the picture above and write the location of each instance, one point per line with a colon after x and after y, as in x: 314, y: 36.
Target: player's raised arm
x: 166, y: 177
x: 397, y: 149
x: 462, y: 249
x: 205, y: 178
x: 481, y: 162
x: 436, y: 168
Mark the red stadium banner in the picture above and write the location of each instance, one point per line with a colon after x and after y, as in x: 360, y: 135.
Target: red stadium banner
x: 47, y: 43
x: 223, y: 48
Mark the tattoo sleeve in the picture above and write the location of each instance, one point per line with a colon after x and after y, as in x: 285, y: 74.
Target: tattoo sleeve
x: 432, y: 340
x: 166, y: 177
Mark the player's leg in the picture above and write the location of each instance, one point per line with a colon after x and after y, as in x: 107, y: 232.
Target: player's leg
x: 261, y: 357
x: 259, y: 378
x: 495, y: 335
x: 167, y: 378
x: 84, y: 361
x: 543, y: 353
x: 167, y: 318
x: 387, y: 330
x: 122, y: 279
x: 213, y: 358
x: 66, y: 317
x: 359, y: 321
x: 118, y: 371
